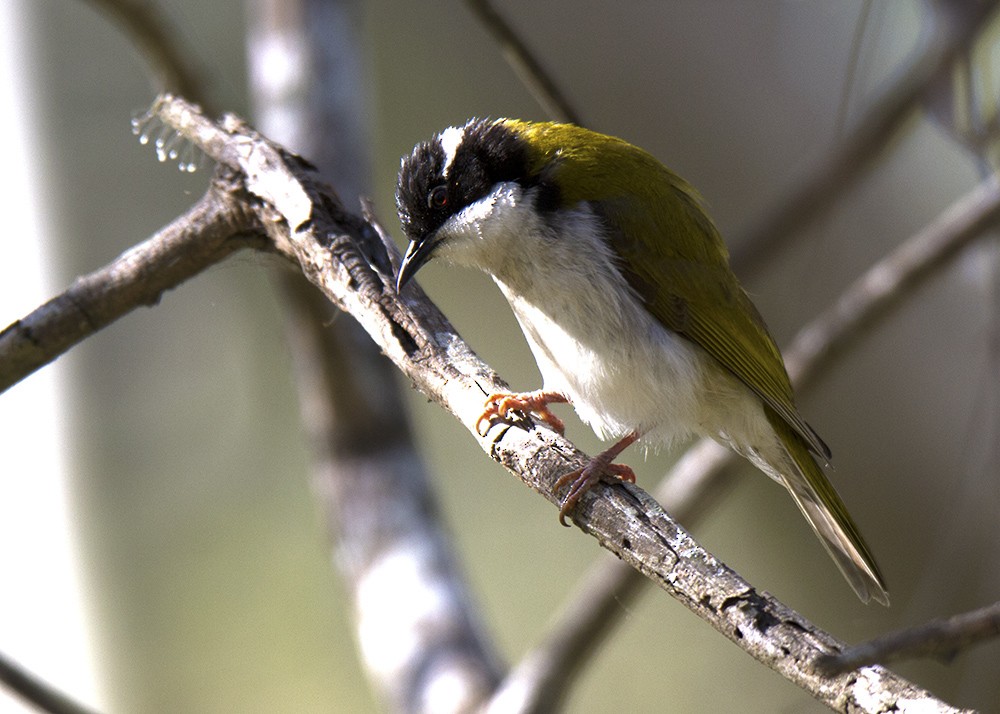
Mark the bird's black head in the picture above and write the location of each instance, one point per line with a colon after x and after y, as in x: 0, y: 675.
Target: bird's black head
x: 442, y: 176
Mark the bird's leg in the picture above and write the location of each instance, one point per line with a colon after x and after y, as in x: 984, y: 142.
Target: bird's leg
x: 501, y: 404
x: 582, y: 480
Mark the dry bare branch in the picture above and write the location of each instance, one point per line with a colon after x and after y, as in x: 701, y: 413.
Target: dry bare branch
x: 315, y: 230
x: 543, y: 677
x: 214, y: 228
x: 942, y: 638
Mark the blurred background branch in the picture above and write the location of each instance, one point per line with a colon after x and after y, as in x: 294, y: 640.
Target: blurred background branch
x: 950, y: 31
x: 943, y: 638
x: 525, y: 64
x: 35, y: 692
x: 170, y: 65
x: 308, y: 88
x: 444, y: 78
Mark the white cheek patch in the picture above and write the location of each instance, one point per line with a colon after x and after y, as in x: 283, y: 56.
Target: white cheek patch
x: 492, y: 215
x: 450, y: 140
x: 495, y: 204
x: 485, y: 225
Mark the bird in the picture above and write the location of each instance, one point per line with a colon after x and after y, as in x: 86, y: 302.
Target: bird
x: 621, y: 284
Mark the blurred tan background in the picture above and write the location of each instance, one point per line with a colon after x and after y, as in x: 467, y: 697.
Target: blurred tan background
x: 200, y: 545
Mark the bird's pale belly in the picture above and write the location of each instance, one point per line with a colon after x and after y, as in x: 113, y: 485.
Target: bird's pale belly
x: 622, y: 372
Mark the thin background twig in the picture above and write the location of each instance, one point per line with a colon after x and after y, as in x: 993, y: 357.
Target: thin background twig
x: 150, y: 30
x: 959, y: 21
x: 525, y: 64
x: 942, y: 638
x: 33, y: 690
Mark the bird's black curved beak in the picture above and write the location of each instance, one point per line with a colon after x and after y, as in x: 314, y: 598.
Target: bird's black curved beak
x: 418, y: 253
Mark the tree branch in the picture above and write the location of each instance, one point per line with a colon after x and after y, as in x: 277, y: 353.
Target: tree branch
x: 543, y: 677
x: 942, y: 638
x: 394, y: 556
x: 524, y: 63
x: 34, y: 690
x: 214, y: 228
x: 888, y: 282
x: 316, y: 230
x: 960, y: 22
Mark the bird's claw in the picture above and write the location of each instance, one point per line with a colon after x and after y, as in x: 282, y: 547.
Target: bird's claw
x: 582, y: 480
x: 501, y: 405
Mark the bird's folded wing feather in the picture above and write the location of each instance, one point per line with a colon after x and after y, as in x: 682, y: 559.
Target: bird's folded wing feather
x: 687, y: 285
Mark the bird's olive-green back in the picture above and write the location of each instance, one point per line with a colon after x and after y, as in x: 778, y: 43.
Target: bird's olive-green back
x: 671, y: 253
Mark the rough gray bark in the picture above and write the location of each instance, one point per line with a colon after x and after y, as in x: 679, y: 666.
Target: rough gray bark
x: 214, y: 228
x: 309, y: 226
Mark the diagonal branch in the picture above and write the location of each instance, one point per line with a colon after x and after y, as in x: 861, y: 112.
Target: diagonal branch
x: 543, y: 677
x: 884, y: 285
x: 32, y: 689
x: 528, y: 67
x: 315, y: 230
x: 960, y: 23
x: 211, y: 230
x: 143, y: 22
x: 943, y: 638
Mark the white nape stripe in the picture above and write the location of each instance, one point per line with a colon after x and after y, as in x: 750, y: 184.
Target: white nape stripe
x: 450, y: 139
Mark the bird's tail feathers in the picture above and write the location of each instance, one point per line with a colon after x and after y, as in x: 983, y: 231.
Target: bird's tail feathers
x: 823, y: 508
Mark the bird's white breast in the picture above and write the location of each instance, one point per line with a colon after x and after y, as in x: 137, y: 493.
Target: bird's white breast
x: 592, y: 337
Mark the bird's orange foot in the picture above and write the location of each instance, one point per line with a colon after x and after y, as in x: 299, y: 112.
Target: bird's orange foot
x: 582, y: 480
x: 499, y: 406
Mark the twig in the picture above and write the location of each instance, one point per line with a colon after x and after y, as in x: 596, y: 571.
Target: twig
x: 624, y: 519
x: 211, y: 230
x: 148, y: 28
x: 894, y: 277
x: 699, y: 477
x: 942, y: 638
x: 960, y: 21
x: 544, y: 89
x: 32, y: 689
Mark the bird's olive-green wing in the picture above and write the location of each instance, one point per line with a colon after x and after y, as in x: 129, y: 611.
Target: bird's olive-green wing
x: 680, y: 269
x: 671, y: 254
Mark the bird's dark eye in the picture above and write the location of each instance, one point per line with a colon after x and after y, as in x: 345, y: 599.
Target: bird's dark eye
x: 438, y: 197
